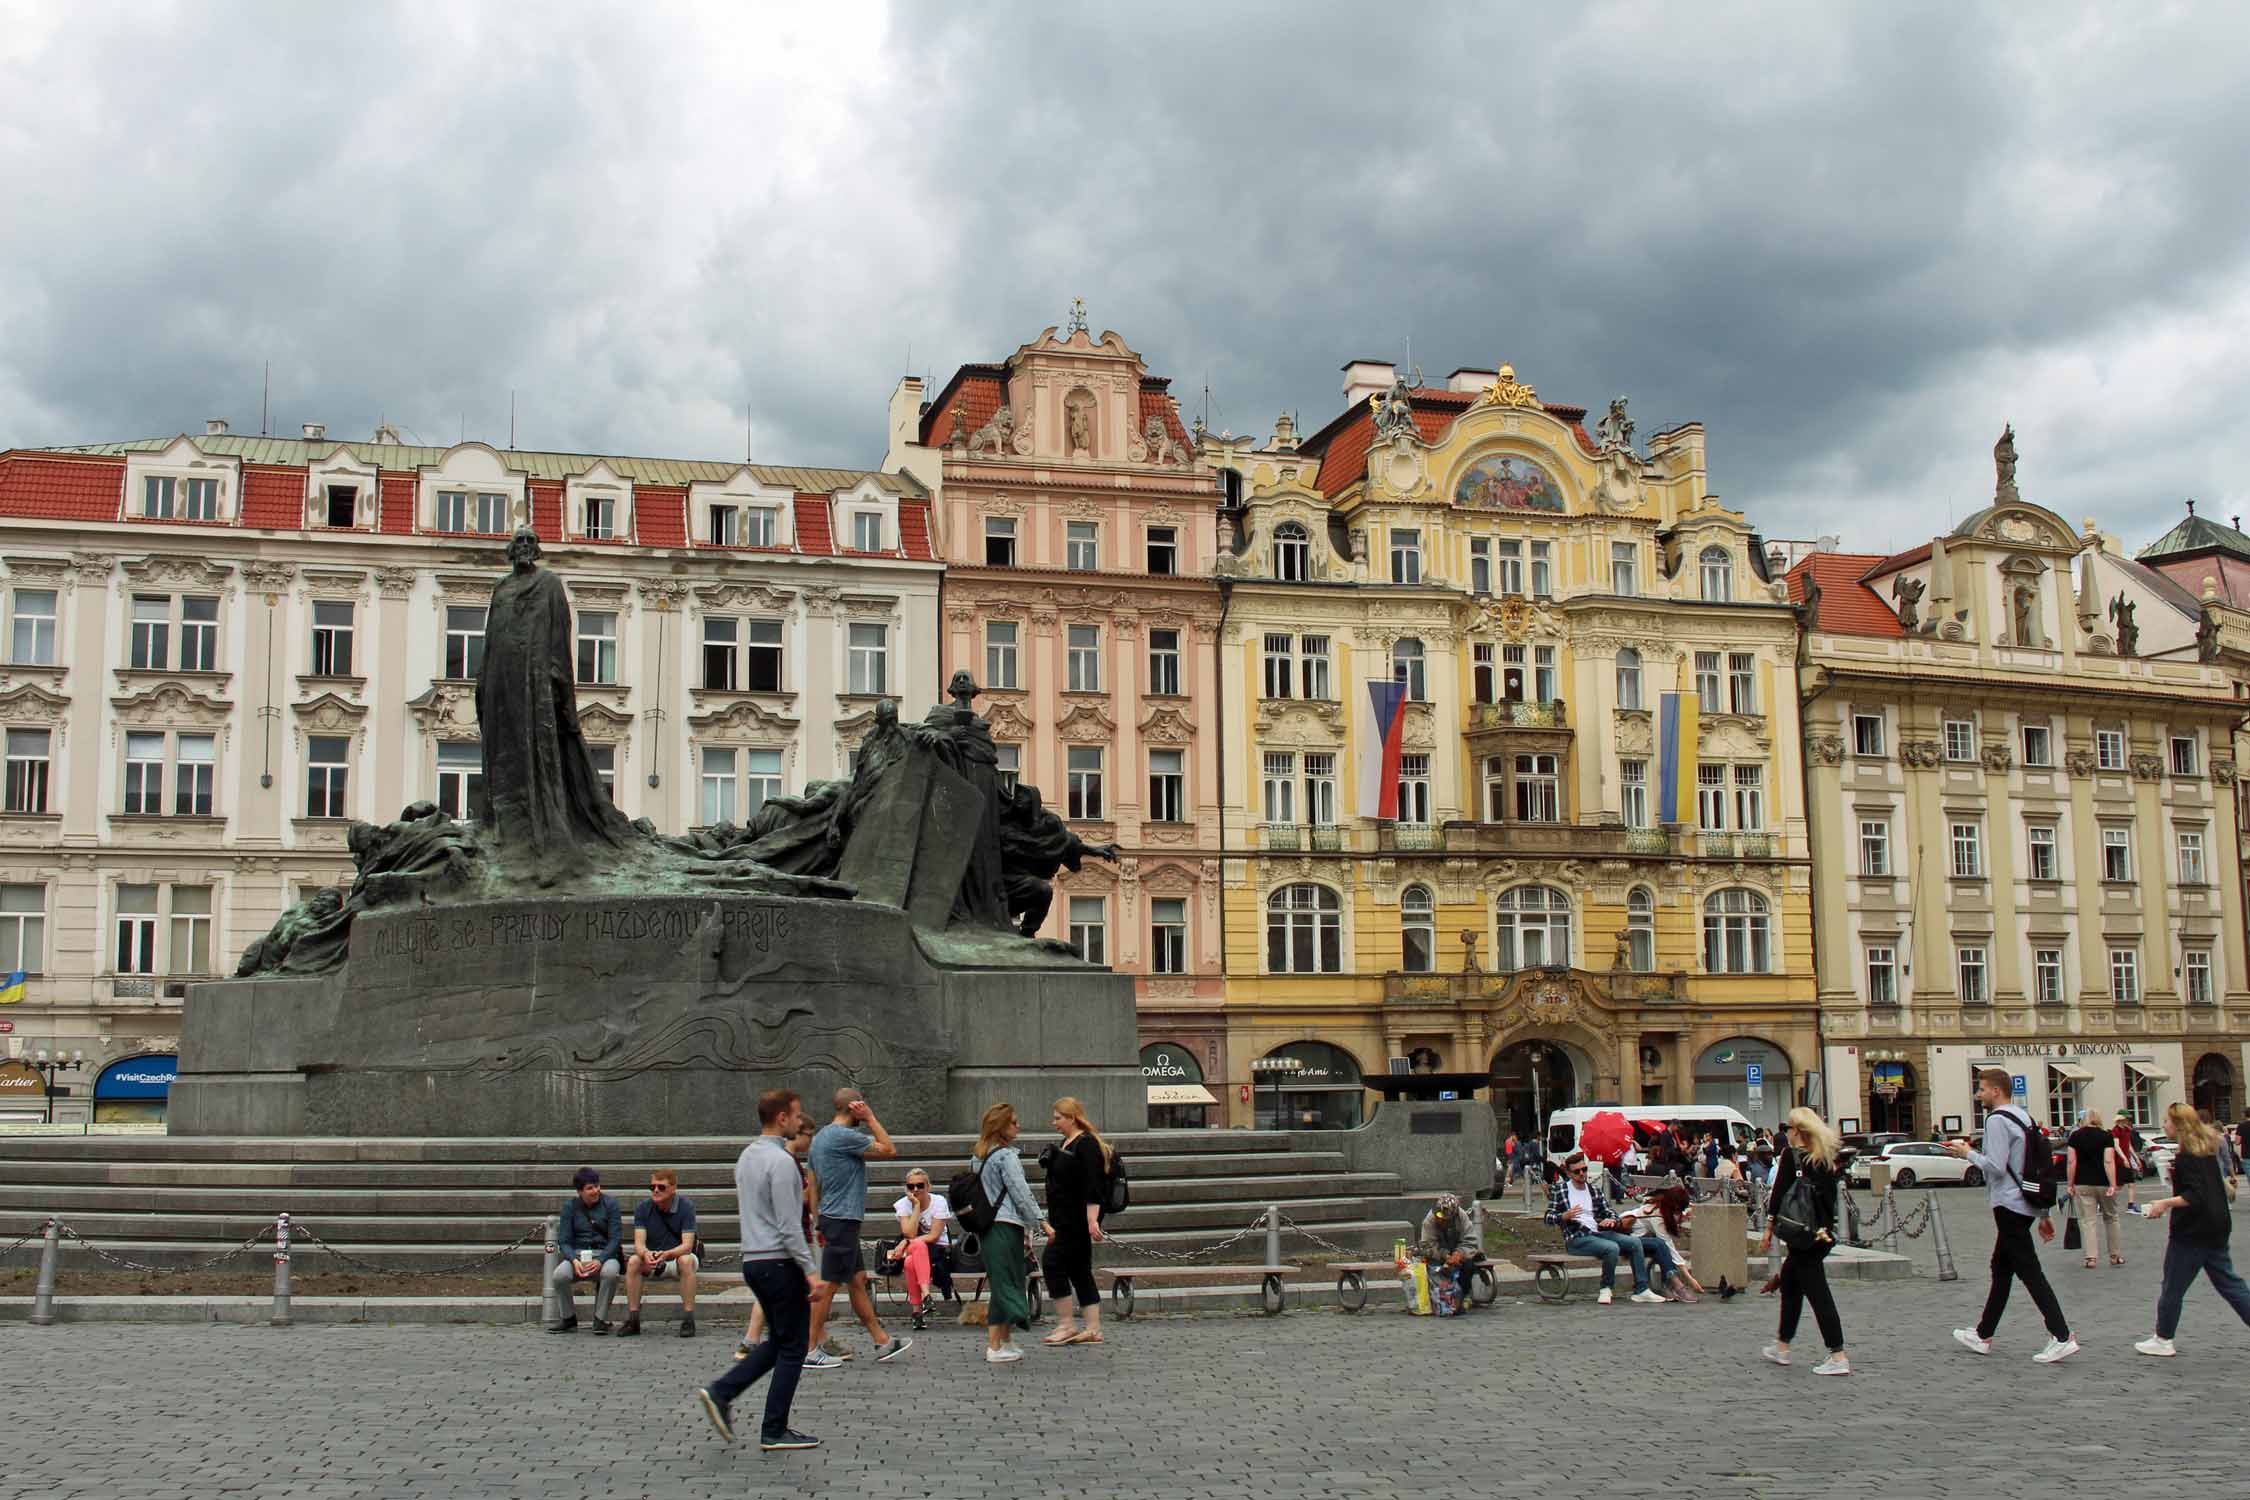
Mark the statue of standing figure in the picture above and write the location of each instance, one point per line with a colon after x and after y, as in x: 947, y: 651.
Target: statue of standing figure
x: 2121, y: 612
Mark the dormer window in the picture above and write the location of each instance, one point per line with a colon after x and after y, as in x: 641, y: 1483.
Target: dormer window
x: 472, y: 511
x: 339, y: 505
x: 1718, y: 575
x: 726, y: 526
x: 601, y: 518
x: 1292, y: 553
x: 165, y: 497
x: 867, y: 531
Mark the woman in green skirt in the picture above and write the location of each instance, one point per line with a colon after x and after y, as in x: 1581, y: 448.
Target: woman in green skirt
x: 1006, y: 1244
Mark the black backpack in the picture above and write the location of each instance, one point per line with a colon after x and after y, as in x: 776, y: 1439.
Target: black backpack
x: 2037, y: 1180
x: 1117, y: 1191
x: 974, y: 1209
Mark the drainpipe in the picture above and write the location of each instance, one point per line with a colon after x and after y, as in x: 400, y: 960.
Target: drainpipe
x: 1219, y: 696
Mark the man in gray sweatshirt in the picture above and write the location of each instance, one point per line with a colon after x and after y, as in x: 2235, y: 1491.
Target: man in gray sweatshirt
x: 2014, y: 1256
x: 777, y: 1266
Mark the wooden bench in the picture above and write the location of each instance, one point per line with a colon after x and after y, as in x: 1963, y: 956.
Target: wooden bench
x: 1547, y: 1273
x: 1272, y: 1295
x: 1351, y: 1281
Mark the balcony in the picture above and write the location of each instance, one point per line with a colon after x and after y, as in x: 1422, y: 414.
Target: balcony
x: 1552, y: 714
x: 1574, y: 839
x: 1737, y: 845
x: 1293, y: 838
x: 1491, y: 989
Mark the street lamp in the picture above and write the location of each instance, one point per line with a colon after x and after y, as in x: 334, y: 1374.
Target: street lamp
x: 1277, y: 1068
x: 62, y: 1062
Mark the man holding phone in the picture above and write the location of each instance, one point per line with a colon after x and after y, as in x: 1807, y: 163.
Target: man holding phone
x: 2007, y: 1130
x: 1590, y: 1227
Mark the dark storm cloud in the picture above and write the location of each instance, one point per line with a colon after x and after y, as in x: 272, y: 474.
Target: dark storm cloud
x: 1853, y: 245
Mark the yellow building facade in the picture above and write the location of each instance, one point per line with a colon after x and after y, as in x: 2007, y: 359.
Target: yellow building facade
x: 1512, y: 896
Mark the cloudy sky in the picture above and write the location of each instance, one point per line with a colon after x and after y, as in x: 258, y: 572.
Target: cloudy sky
x: 1853, y: 241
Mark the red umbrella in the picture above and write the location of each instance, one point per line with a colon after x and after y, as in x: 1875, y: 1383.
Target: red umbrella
x: 1605, y: 1137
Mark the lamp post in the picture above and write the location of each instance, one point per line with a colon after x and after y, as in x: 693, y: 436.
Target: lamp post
x: 62, y: 1062
x: 1277, y: 1068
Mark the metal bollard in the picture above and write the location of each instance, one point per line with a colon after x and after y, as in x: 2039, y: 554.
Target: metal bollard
x: 1945, y: 1268
x: 548, y: 1312
x: 1273, y: 1234
x: 43, y: 1297
x: 1527, y: 1203
x: 281, y: 1271
x: 1852, y: 1235
x: 1476, y: 1223
x: 1890, y: 1235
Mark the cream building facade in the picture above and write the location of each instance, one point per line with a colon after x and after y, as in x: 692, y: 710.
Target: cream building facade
x: 222, y: 650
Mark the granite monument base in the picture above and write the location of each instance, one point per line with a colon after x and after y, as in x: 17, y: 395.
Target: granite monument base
x: 655, y: 1015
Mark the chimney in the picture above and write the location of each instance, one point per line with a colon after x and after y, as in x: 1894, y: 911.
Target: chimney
x: 1466, y: 379
x: 215, y: 427
x: 1367, y: 377
x: 386, y: 433
x: 315, y: 431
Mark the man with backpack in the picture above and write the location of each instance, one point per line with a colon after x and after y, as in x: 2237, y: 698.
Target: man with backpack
x: 2018, y: 1168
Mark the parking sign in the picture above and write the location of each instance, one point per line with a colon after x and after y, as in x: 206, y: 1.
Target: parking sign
x: 1754, y: 1074
x: 2020, y: 1084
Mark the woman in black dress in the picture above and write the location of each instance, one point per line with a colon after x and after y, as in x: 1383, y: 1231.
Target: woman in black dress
x: 1804, y: 1198
x: 1077, y: 1184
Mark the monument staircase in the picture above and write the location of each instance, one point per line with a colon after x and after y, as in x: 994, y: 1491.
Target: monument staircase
x: 432, y: 1203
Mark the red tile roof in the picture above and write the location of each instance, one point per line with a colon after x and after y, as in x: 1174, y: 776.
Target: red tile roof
x: 546, y: 510
x: 1847, y: 606
x: 273, y: 497
x: 813, y: 532
x: 1342, y: 445
x: 62, y: 489
x: 976, y: 389
x: 660, y: 515
x: 398, y: 505
x: 914, y: 529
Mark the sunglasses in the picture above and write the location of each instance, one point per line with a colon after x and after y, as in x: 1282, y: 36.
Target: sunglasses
x: 660, y: 1188
x: 917, y: 1187
x: 1577, y: 1171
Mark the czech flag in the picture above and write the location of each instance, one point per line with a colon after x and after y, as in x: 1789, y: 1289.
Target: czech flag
x: 12, y: 988
x: 1675, y: 758
x: 1379, y: 746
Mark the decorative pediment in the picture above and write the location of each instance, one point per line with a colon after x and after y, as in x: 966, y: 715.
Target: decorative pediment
x: 445, y: 706
x: 1733, y: 737
x: 1307, y: 723
x: 33, y: 704
x: 263, y: 577
x: 1634, y: 734
x: 174, y: 570
x: 2023, y: 525
x: 170, y: 703
x: 600, y: 722
x: 54, y: 572
x: 1086, y: 722
x: 1008, y: 720
x: 866, y: 605
x: 732, y: 596
x: 1420, y: 731
x: 1166, y: 726
x: 743, y: 719
x: 329, y: 714
x: 1169, y: 880
x: 329, y: 583
x: 465, y: 588
x: 601, y: 593
x: 1082, y: 510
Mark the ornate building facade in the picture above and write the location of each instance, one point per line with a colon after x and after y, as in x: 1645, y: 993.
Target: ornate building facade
x: 2022, y: 776
x: 221, y: 650
x: 1530, y: 908
x: 1078, y: 527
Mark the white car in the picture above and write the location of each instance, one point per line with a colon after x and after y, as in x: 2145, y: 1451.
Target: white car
x: 1918, y: 1164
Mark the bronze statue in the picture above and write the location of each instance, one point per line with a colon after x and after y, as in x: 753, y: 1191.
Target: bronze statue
x: 1034, y: 844
x: 963, y: 741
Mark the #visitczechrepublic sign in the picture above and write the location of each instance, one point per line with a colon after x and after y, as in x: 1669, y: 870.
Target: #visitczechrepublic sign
x: 137, y: 1078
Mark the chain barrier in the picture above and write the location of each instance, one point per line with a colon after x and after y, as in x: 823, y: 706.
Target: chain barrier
x: 1255, y: 1226
x: 1326, y: 1244
x: 27, y: 1239
x: 133, y: 1265
x: 456, y: 1269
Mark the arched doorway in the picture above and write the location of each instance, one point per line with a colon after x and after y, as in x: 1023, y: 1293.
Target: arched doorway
x: 1746, y: 1074
x: 1530, y: 1081
x: 1893, y: 1098
x: 1308, y: 1086
x: 2214, y: 1087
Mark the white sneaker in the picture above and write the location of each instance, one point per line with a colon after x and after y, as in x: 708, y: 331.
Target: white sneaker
x: 1968, y: 1339
x: 2161, y: 1348
x: 1650, y: 1298
x: 1834, y: 1364
x: 1775, y: 1354
x: 2056, y: 1351
x: 1005, y: 1354
x: 821, y: 1359
x: 1605, y: 1299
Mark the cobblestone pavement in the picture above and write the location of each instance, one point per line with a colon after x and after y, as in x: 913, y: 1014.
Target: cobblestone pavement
x: 1525, y: 1400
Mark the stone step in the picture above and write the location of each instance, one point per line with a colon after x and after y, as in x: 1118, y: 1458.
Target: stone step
x: 569, y: 1154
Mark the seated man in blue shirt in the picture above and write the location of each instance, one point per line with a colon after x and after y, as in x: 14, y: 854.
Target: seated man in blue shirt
x: 1591, y: 1227
x: 588, y: 1234
x: 663, y: 1245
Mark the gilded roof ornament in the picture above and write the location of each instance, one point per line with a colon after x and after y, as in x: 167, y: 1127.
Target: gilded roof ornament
x: 1508, y: 391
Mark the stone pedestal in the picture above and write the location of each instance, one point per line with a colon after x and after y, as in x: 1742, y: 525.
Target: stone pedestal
x: 1719, y: 1243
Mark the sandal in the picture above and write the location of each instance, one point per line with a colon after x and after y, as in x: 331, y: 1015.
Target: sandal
x: 1084, y: 1336
x: 2089, y: 1262
x: 2117, y: 1260
x: 1060, y: 1337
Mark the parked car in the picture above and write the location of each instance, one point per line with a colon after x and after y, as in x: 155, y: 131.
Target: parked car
x: 1871, y: 1144
x: 1915, y: 1163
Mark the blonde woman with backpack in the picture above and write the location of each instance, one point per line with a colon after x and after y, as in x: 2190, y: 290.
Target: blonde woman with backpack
x: 1077, y: 1183
x: 1803, y: 1211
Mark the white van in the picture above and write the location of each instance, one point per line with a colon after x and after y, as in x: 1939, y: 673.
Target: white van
x: 1691, y: 1120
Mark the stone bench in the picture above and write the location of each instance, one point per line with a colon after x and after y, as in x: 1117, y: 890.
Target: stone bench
x: 1272, y: 1294
x: 1351, y: 1281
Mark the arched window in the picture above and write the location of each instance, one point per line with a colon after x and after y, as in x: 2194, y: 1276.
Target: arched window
x: 1292, y: 553
x: 1737, y: 934
x: 1628, y: 678
x: 1534, y: 928
x: 1406, y: 667
x: 1417, y: 929
x: 1304, y: 931
x: 1718, y: 575
x: 1640, y: 930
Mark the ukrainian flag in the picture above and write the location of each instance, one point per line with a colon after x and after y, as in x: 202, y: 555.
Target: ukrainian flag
x: 1675, y: 758
x: 12, y: 988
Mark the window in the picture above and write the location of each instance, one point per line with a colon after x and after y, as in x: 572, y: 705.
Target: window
x: 1414, y: 789
x: 1304, y: 931
x: 460, y: 779
x: 601, y: 517
x: 1533, y: 928
x: 1009, y: 764
x: 1406, y: 555
x: 999, y: 542
x: 1632, y: 790
x: 1089, y: 928
x: 1082, y: 546
x: 452, y: 510
x: 327, y: 769
x: 1968, y: 976
x: 1163, y: 549
x: 1624, y: 568
x: 1495, y: 788
x: 1292, y: 553
x: 492, y: 514
x: 1085, y: 782
x: 2140, y: 1099
x: 144, y: 774
x: 1281, y: 665
x: 2047, y: 976
x: 597, y: 646
x: 455, y: 512
x: 199, y: 635
x: 1406, y: 667
x: 1742, y: 683
x: 718, y: 805
x: 1718, y: 575
x: 1709, y: 688
x: 1711, y: 798
x: 725, y: 526
x: 1280, y: 787
x: 2062, y: 1098
x: 1480, y: 565
x: 1085, y: 658
x: 1313, y: 649
x: 23, y: 928
x: 2195, y: 976
x: 191, y: 930
x: 1000, y: 654
x: 763, y: 782
x: 2184, y: 762
x: 1511, y: 567
x: 464, y: 641
x: 1882, y: 974
x: 31, y: 627
x: 152, y: 632
x: 136, y: 929
x: 1968, y: 851
x: 2038, y: 745
x: 1875, y: 846
x: 604, y: 758
x: 1538, y: 789
x: 1417, y: 930
x: 194, y: 769
x: 761, y: 525
x: 157, y: 497
x: 2125, y: 975
x: 1320, y: 789
x: 2046, y: 862
x: 2117, y: 854
x: 28, y: 762
x: 1543, y: 569
x: 1167, y: 935
x: 1960, y: 739
x: 867, y: 531
x: 1867, y: 734
x: 761, y: 656
x: 1640, y: 930
x: 867, y: 668
x: 1736, y: 933
x: 2109, y: 749
x: 332, y: 638
x: 1167, y: 786
x: 741, y: 655
x: 1543, y: 689
x: 1629, y: 678
x: 2190, y: 841
x: 339, y: 507
x: 1750, y: 798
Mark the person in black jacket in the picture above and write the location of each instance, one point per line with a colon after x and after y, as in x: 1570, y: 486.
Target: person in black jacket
x: 2202, y: 1219
x: 1811, y: 1158
x: 1077, y: 1186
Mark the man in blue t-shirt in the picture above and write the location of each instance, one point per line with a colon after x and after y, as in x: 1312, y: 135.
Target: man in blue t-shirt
x: 663, y: 1245
x: 838, y: 1159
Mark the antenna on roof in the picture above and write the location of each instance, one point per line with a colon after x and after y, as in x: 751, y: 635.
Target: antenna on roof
x: 265, y: 398
x: 746, y: 432
x: 908, y: 370
x: 511, y: 420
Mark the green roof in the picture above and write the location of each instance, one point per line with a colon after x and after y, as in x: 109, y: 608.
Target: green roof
x: 2197, y: 534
